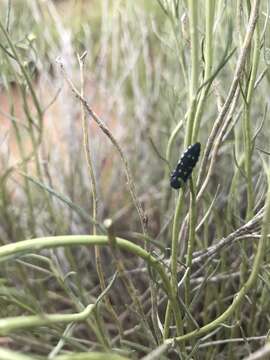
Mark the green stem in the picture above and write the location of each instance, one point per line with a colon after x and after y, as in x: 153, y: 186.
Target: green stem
x: 38, y: 244
x: 191, y: 240
x: 175, y: 233
x: 239, y: 297
x: 10, y: 324
x: 248, y: 141
x: 247, y: 124
x: 174, y: 255
x: 193, y: 21
x: 209, y: 21
x: 93, y: 355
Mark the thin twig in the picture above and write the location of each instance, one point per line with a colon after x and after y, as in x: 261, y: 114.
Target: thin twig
x: 107, y: 132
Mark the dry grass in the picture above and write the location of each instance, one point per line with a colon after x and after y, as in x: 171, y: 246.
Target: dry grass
x: 155, y: 78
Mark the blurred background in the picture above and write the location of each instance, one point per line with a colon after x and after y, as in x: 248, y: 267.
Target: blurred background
x: 137, y: 80
x: 131, y: 82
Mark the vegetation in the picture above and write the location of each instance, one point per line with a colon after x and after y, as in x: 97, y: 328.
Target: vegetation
x: 100, y: 257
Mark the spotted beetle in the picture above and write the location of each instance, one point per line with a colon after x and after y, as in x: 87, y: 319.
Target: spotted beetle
x: 185, y: 165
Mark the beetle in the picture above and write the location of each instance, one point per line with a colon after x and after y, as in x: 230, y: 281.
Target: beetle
x: 185, y: 166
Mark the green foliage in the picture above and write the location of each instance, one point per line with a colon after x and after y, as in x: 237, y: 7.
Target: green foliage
x: 97, y: 101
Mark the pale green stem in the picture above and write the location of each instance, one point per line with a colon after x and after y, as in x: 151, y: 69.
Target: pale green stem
x: 240, y: 296
x: 91, y: 356
x: 174, y: 253
x: 247, y: 124
x: 248, y: 151
x: 28, y: 246
x: 233, y: 88
x: 193, y: 20
x: 10, y: 324
x: 209, y: 21
x: 191, y: 240
x: 15, y: 355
